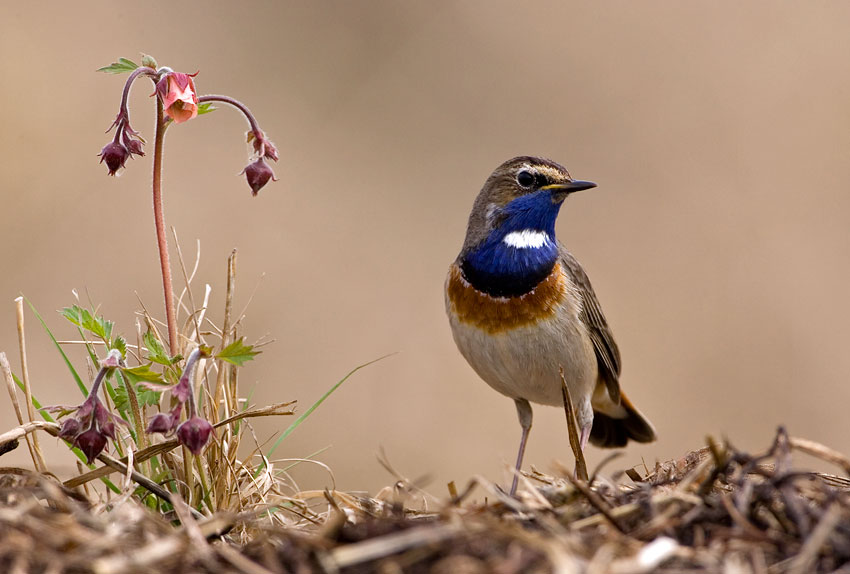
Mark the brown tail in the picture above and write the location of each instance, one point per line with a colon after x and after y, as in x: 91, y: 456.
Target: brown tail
x: 609, y: 432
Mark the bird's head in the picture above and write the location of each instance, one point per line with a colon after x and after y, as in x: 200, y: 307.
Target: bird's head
x: 522, y: 196
x: 510, y: 240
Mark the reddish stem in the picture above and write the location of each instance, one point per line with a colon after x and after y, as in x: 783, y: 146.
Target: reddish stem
x: 239, y: 106
x: 141, y: 70
x: 159, y: 222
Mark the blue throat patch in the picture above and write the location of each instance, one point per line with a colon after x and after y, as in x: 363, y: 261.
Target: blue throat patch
x: 503, y: 270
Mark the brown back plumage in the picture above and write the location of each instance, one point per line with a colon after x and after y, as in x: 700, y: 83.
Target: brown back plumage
x: 607, y: 431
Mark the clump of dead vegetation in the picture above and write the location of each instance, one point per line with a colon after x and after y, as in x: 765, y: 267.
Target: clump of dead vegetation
x: 717, y: 509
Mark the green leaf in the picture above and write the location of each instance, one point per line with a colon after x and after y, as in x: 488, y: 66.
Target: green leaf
x: 120, y: 398
x: 156, y: 351
x: 77, y: 378
x: 309, y: 411
x: 238, y: 353
x: 119, y: 67
x: 121, y: 344
x: 45, y: 415
x: 143, y: 373
x: 76, y: 315
x: 145, y: 396
x: 97, y: 325
x: 205, y: 108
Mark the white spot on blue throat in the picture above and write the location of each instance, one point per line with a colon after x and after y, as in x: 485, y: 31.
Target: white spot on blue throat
x: 527, y: 239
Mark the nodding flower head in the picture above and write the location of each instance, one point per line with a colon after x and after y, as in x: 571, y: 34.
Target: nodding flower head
x: 179, y: 99
x: 93, y: 423
x: 115, y: 155
x: 91, y: 442
x: 258, y: 174
x: 194, y: 433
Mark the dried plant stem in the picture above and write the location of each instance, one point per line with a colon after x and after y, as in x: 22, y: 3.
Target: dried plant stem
x: 13, y: 395
x: 223, y: 395
x: 38, y: 458
x: 572, y: 425
x: 193, y: 315
x: 25, y: 428
x: 159, y: 222
x: 223, y: 366
x: 188, y: 473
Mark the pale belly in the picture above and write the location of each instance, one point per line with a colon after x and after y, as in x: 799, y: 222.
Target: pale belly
x: 525, y: 362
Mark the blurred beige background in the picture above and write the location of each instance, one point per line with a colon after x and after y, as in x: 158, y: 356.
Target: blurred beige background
x: 718, y: 239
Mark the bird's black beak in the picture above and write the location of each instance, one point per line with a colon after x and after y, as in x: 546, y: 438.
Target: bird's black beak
x: 562, y: 190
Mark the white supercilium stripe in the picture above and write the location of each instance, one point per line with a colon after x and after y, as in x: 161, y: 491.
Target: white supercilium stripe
x: 527, y: 238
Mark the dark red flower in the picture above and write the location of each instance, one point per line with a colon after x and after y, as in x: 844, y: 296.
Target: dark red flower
x: 115, y: 155
x: 258, y: 174
x: 70, y: 429
x: 165, y: 423
x: 194, y: 433
x: 92, y: 442
x: 134, y: 146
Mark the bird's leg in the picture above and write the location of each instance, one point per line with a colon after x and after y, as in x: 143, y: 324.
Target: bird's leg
x: 523, y: 411
x: 585, y: 435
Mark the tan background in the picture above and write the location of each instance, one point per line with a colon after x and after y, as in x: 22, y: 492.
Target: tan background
x: 717, y: 240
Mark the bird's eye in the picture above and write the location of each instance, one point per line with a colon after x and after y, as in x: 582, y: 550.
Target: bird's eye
x: 525, y: 178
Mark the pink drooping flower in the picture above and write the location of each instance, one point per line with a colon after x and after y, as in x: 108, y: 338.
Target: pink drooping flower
x: 179, y: 99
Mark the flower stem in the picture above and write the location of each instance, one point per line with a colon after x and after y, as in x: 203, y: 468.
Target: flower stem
x: 236, y: 104
x: 141, y: 70
x: 159, y: 222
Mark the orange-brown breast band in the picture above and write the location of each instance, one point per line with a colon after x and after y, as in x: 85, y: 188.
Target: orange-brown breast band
x: 499, y: 314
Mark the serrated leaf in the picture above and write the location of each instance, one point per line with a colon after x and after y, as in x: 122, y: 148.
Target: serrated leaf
x: 205, y: 108
x: 121, y: 66
x: 120, y: 398
x: 156, y: 351
x: 147, y: 397
x: 121, y: 344
x: 73, y: 314
x: 142, y: 373
x: 97, y: 325
x: 238, y: 353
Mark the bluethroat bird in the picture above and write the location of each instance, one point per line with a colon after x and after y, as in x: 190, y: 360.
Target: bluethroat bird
x: 522, y: 309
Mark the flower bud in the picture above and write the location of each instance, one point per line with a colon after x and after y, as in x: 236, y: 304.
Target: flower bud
x: 115, y: 155
x: 161, y: 423
x: 149, y: 61
x: 194, y: 433
x: 92, y: 442
x: 112, y: 359
x: 258, y: 174
x: 261, y: 144
x: 179, y: 99
x: 135, y: 147
x: 108, y: 429
x: 70, y: 428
